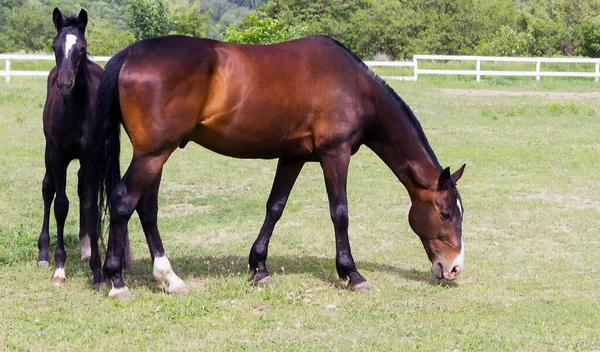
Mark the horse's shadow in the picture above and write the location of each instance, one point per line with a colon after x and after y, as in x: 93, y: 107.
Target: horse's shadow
x: 235, y: 265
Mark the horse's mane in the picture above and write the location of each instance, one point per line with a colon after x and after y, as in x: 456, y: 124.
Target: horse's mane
x: 411, y: 116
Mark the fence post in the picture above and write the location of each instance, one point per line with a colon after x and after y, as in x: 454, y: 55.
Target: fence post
x: 537, y: 69
x: 7, y: 70
x: 597, y: 71
x: 478, y: 69
x: 415, y: 60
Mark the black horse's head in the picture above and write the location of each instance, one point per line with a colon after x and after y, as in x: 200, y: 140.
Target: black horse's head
x: 70, y: 48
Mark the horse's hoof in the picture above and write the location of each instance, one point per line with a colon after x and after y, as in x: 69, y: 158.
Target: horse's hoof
x: 44, y: 263
x: 362, y: 287
x: 178, y: 290
x: 57, y: 280
x: 265, y: 281
x: 121, y: 294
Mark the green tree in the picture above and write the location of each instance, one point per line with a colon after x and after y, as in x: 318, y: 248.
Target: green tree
x: 105, y: 38
x: 148, y: 18
x: 590, y: 32
x: 190, y: 21
x: 28, y: 28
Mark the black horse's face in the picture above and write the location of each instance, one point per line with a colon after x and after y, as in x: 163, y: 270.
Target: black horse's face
x: 70, y: 49
x: 436, y: 217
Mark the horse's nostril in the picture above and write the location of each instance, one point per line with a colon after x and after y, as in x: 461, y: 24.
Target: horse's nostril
x: 455, y: 270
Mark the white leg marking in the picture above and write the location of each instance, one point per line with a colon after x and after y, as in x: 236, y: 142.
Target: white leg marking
x: 86, y: 248
x: 59, y: 273
x: 167, y: 279
x: 70, y: 40
x: 119, y: 293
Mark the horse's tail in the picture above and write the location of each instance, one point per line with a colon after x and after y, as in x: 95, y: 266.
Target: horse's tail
x: 107, y: 142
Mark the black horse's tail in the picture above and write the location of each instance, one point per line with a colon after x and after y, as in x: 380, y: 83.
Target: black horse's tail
x: 107, y: 142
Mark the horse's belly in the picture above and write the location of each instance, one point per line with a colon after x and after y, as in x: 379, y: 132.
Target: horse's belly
x: 252, y: 143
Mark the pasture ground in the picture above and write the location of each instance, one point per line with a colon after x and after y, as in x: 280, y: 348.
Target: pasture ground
x: 531, y: 282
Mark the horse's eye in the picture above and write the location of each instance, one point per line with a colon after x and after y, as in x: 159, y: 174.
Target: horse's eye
x: 445, y: 215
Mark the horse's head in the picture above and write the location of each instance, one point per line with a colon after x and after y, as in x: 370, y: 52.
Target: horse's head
x: 70, y: 48
x: 436, y: 216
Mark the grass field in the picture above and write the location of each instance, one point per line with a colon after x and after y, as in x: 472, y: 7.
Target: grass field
x: 531, y: 278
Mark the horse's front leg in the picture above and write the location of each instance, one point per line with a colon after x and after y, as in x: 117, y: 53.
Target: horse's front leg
x: 48, y: 191
x: 335, y: 170
x: 285, y: 177
x: 147, y: 210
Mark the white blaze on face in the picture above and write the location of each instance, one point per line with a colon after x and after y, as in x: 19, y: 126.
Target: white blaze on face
x: 460, y: 208
x: 70, y: 41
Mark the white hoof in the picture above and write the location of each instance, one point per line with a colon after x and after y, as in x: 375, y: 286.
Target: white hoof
x: 120, y: 293
x: 59, y: 276
x: 166, y: 278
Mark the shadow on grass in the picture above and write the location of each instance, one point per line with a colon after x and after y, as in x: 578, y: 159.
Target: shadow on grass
x: 235, y: 265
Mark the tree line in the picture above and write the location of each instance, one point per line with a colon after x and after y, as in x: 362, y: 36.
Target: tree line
x: 391, y: 29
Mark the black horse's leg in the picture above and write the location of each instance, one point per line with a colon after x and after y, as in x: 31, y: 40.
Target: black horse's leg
x: 141, y: 174
x: 89, y: 228
x: 48, y: 191
x: 147, y: 210
x: 285, y: 177
x: 61, y: 209
x: 335, y: 169
x: 84, y: 227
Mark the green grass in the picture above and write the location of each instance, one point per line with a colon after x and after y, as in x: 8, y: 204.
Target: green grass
x: 531, y: 280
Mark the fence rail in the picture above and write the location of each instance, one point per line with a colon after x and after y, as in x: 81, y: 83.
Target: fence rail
x: 25, y: 57
x: 415, y: 64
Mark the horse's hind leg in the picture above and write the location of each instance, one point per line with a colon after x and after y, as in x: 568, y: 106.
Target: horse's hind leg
x: 335, y: 170
x: 48, y: 191
x: 61, y: 209
x: 285, y: 177
x: 89, y: 228
x: 85, y: 209
x: 147, y: 210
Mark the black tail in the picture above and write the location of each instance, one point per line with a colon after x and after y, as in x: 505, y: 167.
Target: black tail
x: 107, y: 142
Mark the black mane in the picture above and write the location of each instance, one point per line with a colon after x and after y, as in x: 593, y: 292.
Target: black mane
x: 69, y: 20
x: 412, y: 118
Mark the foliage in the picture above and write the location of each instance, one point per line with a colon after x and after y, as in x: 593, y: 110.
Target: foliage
x: 148, y: 18
x: 189, y: 21
x: 590, y: 35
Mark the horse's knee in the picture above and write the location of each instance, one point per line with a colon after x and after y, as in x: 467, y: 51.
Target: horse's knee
x: 339, y: 216
x: 275, y: 209
x: 61, y: 206
x: 121, y: 206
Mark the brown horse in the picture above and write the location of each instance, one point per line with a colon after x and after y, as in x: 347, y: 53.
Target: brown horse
x: 307, y: 100
x: 68, y: 120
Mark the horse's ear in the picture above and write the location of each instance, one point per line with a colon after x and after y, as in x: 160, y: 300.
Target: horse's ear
x: 57, y: 18
x: 444, y: 179
x: 458, y: 173
x: 82, y: 20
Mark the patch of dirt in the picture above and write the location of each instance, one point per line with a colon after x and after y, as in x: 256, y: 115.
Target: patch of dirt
x: 506, y: 93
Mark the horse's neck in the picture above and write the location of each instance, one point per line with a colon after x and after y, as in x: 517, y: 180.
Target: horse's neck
x: 400, y: 142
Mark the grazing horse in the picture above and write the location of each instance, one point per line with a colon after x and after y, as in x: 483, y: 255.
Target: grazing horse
x: 306, y: 100
x: 68, y: 119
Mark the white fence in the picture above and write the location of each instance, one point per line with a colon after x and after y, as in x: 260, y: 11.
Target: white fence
x: 477, y: 71
x: 17, y: 57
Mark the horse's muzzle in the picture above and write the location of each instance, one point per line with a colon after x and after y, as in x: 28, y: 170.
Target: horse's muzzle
x: 65, y: 87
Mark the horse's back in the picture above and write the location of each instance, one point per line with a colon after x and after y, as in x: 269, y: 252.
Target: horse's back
x: 245, y: 100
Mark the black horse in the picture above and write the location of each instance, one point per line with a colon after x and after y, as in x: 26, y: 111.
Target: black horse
x: 68, y: 121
